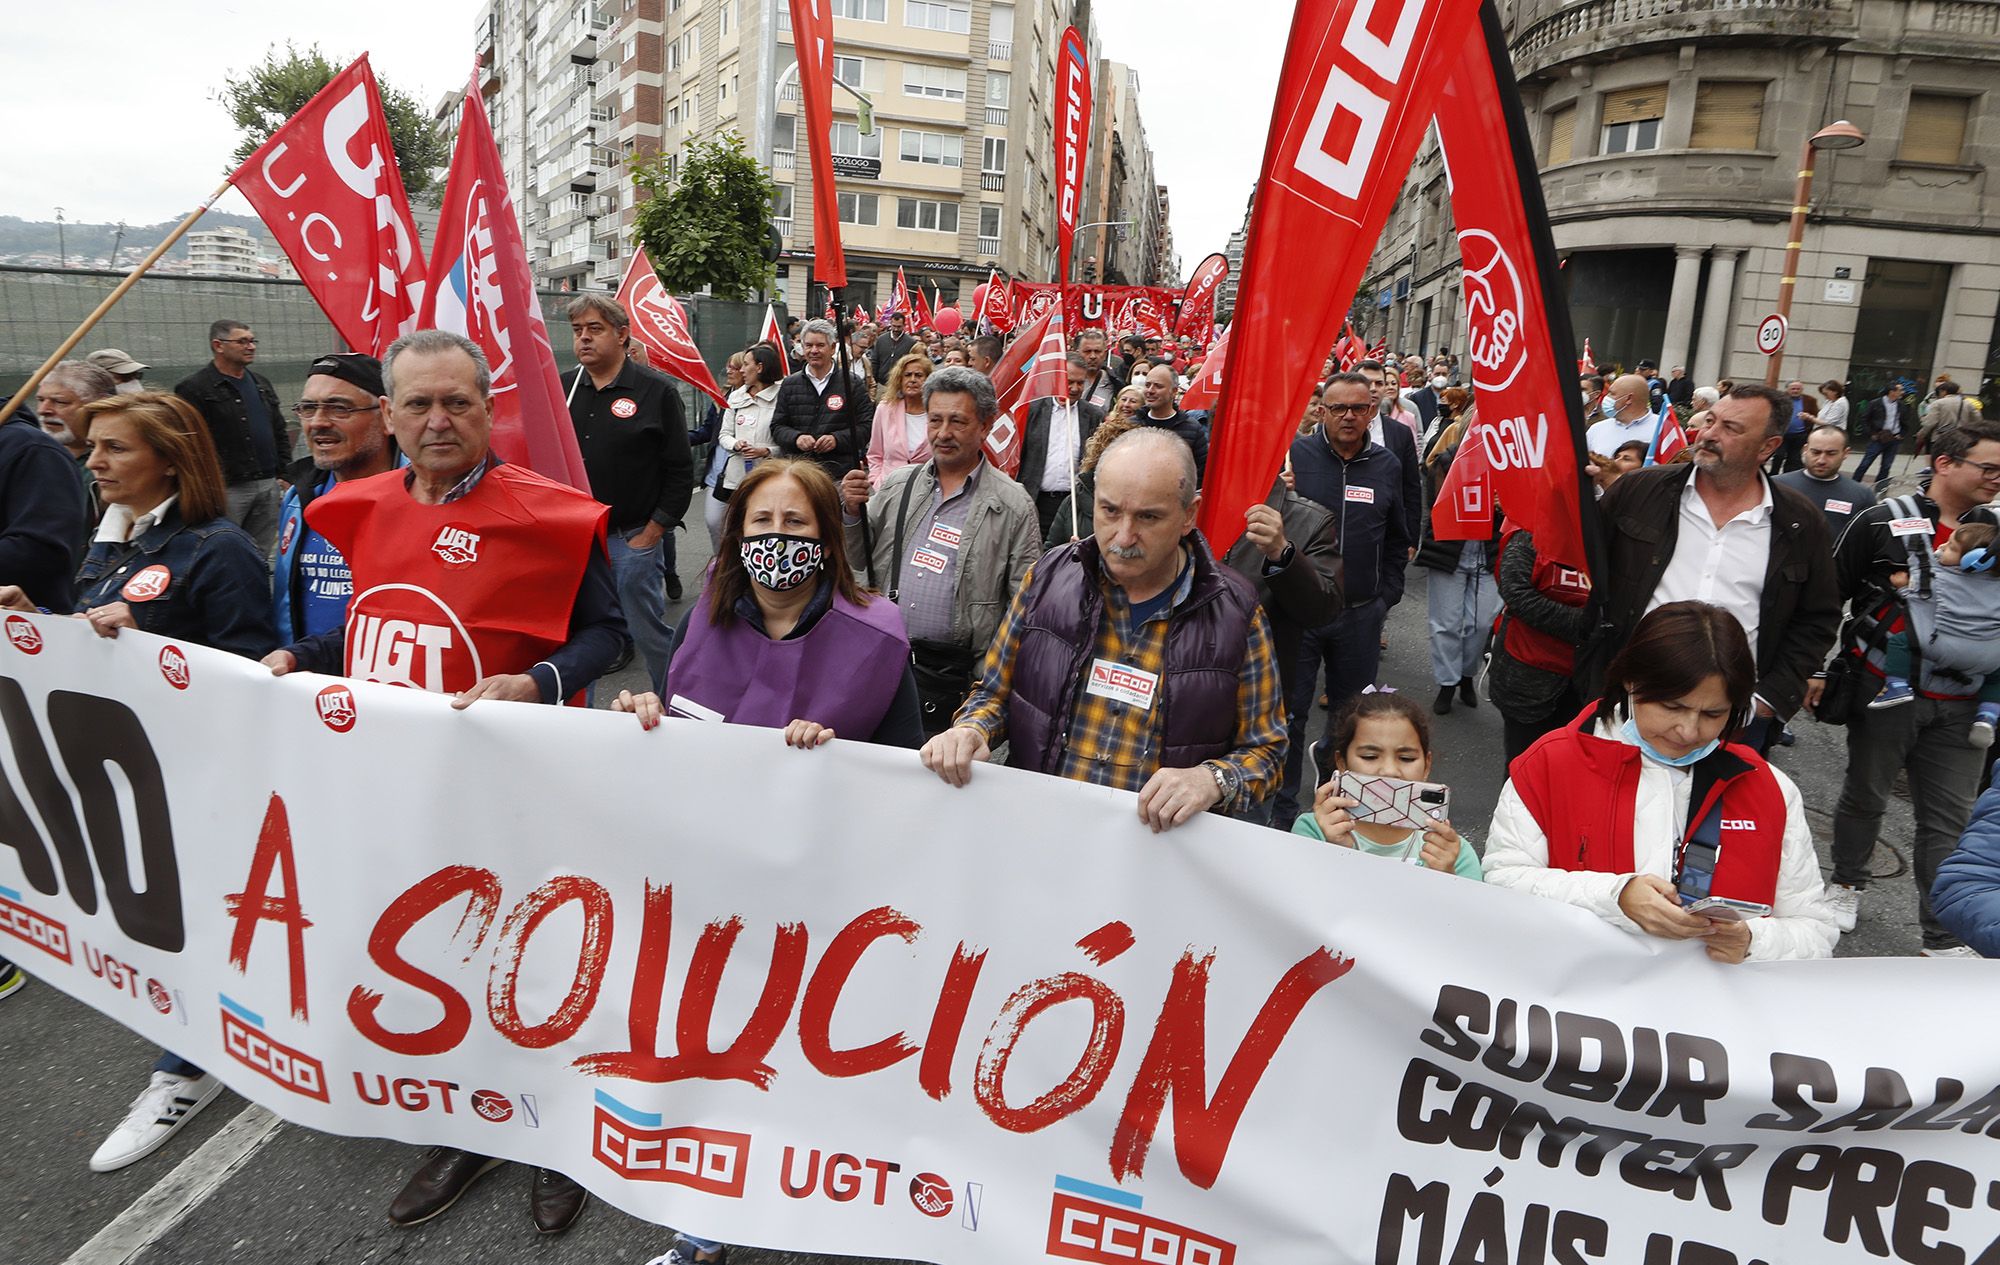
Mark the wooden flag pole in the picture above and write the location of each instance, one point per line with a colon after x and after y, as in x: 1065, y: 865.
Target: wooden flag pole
x: 117, y: 293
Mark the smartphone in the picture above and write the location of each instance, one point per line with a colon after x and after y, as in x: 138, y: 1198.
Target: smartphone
x: 1392, y: 801
x: 1728, y: 910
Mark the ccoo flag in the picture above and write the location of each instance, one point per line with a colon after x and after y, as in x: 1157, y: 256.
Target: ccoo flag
x: 812, y: 38
x: 1355, y: 92
x: 1034, y: 368
x: 327, y: 186
x: 481, y: 287
x: 659, y: 321
x: 1072, y: 137
x: 1531, y: 433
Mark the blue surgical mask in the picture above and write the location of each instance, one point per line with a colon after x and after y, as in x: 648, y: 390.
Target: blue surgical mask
x: 1630, y: 732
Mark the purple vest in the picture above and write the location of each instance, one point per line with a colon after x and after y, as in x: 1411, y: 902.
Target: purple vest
x: 1208, y: 636
x: 843, y: 674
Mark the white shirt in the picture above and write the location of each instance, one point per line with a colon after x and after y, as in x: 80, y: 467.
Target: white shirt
x: 1724, y: 565
x: 1062, y: 445
x: 1606, y: 437
x: 916, y: 428
x: 1835, y: 413
x: 120, y: 526
x: 819, y: 383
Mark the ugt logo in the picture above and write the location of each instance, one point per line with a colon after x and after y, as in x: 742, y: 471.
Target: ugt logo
x: 457, y: 546
x: 1495, y: 323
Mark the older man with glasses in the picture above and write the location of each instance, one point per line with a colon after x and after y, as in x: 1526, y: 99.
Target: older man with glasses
x: 248, y: 427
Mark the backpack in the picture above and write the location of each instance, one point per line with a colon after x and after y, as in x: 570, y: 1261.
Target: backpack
x: 1951, y: 615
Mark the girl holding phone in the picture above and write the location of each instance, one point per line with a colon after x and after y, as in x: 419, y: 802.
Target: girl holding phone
x: 1384, y: 735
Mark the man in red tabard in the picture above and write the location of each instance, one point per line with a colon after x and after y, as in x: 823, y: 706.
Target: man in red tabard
x: 472, y: 578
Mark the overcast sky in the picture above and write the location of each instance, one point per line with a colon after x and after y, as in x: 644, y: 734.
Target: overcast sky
x: 111, y: 113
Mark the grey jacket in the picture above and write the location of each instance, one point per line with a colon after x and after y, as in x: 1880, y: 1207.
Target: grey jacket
x: 1002, y: 540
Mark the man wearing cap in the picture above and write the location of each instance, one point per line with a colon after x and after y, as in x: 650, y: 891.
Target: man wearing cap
x: 340, y: 412
x: 118, y: 362
x: 244, y: 419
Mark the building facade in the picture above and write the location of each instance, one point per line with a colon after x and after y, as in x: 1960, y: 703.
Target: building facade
x: 1669, y: 135
x: 954, y: 179
x: 223, y: 252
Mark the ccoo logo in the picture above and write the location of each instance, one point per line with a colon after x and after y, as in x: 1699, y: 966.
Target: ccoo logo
x: 1496, y: 324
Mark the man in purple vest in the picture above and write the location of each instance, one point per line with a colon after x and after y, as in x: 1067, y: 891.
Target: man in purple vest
x: 1131, y: 659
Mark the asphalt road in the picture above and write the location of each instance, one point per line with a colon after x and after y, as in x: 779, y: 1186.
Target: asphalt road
x: 236, y: 1186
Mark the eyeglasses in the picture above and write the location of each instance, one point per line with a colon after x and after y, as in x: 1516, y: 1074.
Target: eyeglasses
x: 1988, y: 472
x: 241, y: 342
x: 1351, y: 410
x: 335, y: 410
x: 421, y: 406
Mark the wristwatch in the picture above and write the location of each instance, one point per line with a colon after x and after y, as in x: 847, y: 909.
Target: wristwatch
x: 1274, y: 565
x: 1227, y: 781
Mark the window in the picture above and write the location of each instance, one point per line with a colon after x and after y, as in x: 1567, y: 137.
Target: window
x: 1000, y: 26
x: 989, y: 220
x: 849, y: 70
x: 932, y: 148
x: 674, y: 55
x: 1562, y: 135
x: 1934, y: 129
x: 673, y: 114
x: 937, y: 15
x: 993, y: 154
x: 727, y: 16
x: 942, y: 82
x: 847, y: 139
x: 862, y: 10
x: 1632, y: 119
x: 999, y: 85
x: 781, y: 203
x: 1727, y: 116
x: 941, y: 217
x: 859, y: 208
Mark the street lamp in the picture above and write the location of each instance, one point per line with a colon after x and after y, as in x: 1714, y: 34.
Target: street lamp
x: 1101, y: 248
x: 1841, y: 135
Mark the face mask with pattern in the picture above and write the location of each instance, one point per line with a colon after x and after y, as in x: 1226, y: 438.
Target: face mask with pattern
x: 782, y: 562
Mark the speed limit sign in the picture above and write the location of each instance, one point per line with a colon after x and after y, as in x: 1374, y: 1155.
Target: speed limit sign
x: 1771, y: 334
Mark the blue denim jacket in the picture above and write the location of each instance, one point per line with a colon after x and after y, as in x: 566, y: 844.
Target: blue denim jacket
x: 218, y: 591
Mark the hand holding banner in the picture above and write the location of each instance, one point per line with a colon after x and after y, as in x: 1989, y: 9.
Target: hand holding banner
x: 327, y: 186
x: 1354, y: 97
x: 659, y: 321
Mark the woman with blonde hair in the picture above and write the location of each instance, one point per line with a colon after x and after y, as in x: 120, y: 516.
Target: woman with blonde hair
x: 899, y: 435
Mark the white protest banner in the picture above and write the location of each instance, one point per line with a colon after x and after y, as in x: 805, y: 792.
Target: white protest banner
x: 818, y: 1000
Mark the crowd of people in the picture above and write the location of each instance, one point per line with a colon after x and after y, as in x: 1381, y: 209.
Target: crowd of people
x: 878, y: 578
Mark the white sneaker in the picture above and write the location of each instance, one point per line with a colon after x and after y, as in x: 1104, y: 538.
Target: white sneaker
x: 168, y: 1103
x: 1845, y: 904
x: 1955, y: 951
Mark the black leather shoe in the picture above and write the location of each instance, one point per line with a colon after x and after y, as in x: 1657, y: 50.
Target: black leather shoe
x: 674, y: 590
x: 555, y: 1201
x: 1443, y: 705
x: 436, y: 1185
x: 1466, y: 693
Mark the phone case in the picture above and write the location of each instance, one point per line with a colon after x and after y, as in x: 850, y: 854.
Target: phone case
x: 1391, y: 801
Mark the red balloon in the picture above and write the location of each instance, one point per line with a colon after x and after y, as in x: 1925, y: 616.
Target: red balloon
x: 947, y: 321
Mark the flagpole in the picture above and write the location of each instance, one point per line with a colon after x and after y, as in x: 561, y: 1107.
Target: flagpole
x: 847, y: 416
x: 1076, y: 424
x: 571, y: 397
x: 117, y: 293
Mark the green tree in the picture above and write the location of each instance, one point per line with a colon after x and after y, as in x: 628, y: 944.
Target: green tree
x: 708, y: 226
x: 276, y: 88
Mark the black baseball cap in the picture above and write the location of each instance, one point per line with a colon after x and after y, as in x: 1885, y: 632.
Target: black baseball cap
x: 351, y: 366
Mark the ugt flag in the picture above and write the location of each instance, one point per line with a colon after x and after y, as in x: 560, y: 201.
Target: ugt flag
x: 659, y: 321
x: 1354, y: 95
x: 1197, y: 311
x: 327, y: 186
x: 481, y: 287
x: 1531, y: 432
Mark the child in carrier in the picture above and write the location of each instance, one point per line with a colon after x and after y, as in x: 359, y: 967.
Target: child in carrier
x: 1955, y: 616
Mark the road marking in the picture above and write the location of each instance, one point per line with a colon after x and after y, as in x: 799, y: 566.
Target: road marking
x: 181, y: 1191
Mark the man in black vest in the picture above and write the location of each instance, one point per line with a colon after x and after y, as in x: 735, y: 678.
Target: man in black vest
x: 1121, y: 623
x: 818, y: 416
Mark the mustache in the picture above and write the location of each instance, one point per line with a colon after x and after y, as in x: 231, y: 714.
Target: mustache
x: 1129, y: 553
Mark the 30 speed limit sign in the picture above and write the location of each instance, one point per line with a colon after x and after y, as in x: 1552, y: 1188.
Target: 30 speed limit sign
x: 1771, y: 334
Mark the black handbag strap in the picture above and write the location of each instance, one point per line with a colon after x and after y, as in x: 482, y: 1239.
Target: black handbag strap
x: 896, y: 550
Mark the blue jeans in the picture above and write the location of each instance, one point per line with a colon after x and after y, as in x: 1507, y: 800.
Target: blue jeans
x: 1886, y: 450
x: 174, y: 1063
x: 641, y: 575
x: 1351, y: 649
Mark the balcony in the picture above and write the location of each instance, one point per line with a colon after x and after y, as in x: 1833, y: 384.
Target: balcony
x: 784, y: 18
x: 997, y: 50
x: 996, y: 115
x: 791, y: 91
x: 781, y: 160
x: 608, y: 272
x: 993, y: 181
x: 583, y: 182
x: 989, y: 245
x: 1552, y: 31
x: 584, y: 51
x: 784, y: 227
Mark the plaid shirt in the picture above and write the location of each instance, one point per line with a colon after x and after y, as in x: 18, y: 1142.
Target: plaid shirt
x: 1112, y: 744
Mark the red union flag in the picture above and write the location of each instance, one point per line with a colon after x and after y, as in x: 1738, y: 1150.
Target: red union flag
x: 1197, y: 315
x: 1072, y: 133
x: 812, y: 37
x: 1035, y: 367
x: 1206, y: 386
x: 481, y: 287
x: 327, y: 187
x: 1465, y: 502
x: 1531, y: 430
x: 659, y: 321
x: 775, y: 335
x: 1354, y: 95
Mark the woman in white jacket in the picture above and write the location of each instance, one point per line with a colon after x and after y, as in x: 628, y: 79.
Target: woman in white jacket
x: 745, y: 432
x: 1640, y: 807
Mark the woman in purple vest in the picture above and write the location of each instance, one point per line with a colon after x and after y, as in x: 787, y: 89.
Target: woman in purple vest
x: 782, y: 635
